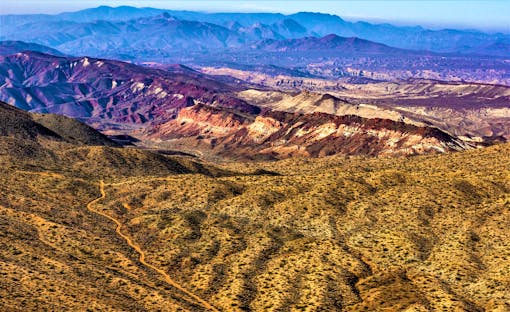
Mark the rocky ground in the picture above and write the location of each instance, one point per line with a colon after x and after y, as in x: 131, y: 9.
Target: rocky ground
x: 423, y: 233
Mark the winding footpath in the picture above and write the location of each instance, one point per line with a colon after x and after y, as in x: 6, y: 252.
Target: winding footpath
x: 141, y: 253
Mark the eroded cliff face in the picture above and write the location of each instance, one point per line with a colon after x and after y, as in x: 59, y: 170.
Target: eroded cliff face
x: 281, y: 135
x: 199, y: 120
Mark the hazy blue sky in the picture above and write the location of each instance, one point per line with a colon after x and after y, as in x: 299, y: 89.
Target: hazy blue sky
x: 484, y: 14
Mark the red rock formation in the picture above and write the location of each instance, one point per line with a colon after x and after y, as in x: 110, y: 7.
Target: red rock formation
x: 280, y: 135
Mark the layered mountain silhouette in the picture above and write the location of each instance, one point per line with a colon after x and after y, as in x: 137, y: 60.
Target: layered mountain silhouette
x: 94, y: 31
x: 337, y: 48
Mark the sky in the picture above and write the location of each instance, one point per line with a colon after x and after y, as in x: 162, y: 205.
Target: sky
x: 487, y: 15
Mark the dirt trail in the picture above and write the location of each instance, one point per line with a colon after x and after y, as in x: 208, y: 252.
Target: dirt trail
x: 142, y: 181
x: 42, y: 173
x: 141, y: 253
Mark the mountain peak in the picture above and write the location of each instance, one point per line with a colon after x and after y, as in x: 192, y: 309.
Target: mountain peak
x: 317, y: 15
x: 166, y: 16
x: 104, y: 7
x: 331, y: 37
x: 330, y: 42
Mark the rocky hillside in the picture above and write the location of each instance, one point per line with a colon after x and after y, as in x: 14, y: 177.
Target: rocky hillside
x: 425, y: 233
x: 476, y: 112
x: 103, y: 91
x: 46, y: 142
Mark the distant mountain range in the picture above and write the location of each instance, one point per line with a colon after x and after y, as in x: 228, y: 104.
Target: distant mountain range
x: 129, y: 30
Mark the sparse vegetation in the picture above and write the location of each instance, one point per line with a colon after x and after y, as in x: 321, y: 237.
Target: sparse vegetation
x: 423, y: 233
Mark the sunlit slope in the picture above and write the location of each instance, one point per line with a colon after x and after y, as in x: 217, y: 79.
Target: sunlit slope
x: 420, y: 233
x: 56, y: 254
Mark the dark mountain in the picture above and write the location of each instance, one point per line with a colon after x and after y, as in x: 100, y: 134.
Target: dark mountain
x: 73, y: 131
x: 34, y: 141
x: 16, y: 123
x: 19, y: 124
x: 12, y: 47
x: 328, y: 43
x: 27, y: 139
